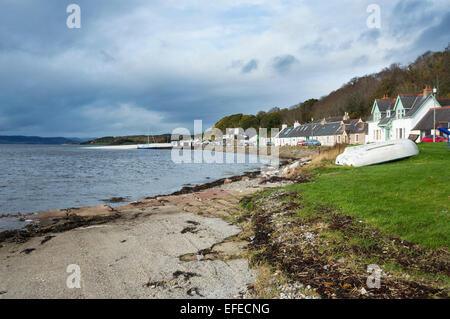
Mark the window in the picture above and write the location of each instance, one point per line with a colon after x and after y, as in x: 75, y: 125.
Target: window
x: 376, y: 116
x: 388, y: 113
x: 339, y: 139
x: 357, y: 138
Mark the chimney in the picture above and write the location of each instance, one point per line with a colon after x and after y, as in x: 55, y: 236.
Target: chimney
x: 385, y: 97
x: 427, y: 91
x: 346, y: 117
x: 296, y: 124
x: 283, y: 126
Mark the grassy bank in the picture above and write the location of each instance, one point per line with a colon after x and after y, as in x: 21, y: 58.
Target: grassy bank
x: 408, y: 198
x: 324, y: 234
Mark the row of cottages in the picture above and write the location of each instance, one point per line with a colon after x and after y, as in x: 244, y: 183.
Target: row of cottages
x: 330, y: 131
x: 399, y: 118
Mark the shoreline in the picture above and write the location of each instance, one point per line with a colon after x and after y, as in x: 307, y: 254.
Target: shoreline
x: 299, y: 154
x: 100, y: 210
x: 189, y: 230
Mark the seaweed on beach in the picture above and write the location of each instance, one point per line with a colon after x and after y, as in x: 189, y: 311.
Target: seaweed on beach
x: 194, y: 291
x: 28, y: 250
x: 58, y: 225
x: 219, y: 182
x: 46, y: 239
x: 330, y: 251
x: 189, y: 229
x: 185, y: 274
x: 118, y: 199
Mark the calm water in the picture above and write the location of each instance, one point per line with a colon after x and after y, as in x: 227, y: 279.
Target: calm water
x: 41, y: 177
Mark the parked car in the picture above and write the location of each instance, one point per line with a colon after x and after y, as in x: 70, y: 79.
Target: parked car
x: 313, y: 143
x: 269, y: 144
x: 302, y: 143
x: 429, y: 139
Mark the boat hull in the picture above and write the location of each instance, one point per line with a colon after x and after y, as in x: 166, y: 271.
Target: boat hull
x: 377, y: 153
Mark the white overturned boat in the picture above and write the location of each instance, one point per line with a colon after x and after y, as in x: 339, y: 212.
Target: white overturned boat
x: 377, y: 153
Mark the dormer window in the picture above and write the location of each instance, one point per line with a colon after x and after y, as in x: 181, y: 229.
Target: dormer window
x: 400, y: 113
x: 376, y: 116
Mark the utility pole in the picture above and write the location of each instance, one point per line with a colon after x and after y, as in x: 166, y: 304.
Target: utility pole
x: 434, y: 115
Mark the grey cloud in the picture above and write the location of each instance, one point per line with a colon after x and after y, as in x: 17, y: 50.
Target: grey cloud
x: 284, y: 63
x: 345, y: 45
x: 361, y: 60
x: 434, y: 37
x: 409, y: 16
x: 83, y: 82
x: 107, y: 57
x: 321, y: 46
x: 250, y: 66
x: 370, y: 36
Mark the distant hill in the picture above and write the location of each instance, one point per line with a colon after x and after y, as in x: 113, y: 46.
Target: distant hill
x: 18, y: 139
x: 356, y: 97
x: 124, y: 140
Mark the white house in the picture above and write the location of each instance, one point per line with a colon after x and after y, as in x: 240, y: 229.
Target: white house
x: 396, y: 118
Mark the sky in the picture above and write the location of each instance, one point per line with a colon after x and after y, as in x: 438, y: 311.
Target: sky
x: 154, y: 65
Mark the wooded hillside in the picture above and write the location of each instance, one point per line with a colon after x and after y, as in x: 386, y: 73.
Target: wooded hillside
x: 356, y: 97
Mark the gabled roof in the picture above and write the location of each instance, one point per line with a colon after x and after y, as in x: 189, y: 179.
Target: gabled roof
x: 385, y: 104
x: 285, y: 133
x: 334, y: 119
x: 355, y: 126
x: 418, y: 103
x: 305, y: 130
x: 330, y: 119
x: 385, y: 119
x: 411, y: 100
x: 443, y: 101
x: 426, y: 123
x: 415, y: 105
x: 328, y: 129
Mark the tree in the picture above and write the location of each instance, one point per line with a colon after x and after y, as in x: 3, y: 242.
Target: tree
x: 271, y: 120
x: 249, y: 121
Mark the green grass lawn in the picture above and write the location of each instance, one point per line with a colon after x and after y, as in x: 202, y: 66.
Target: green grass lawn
x: 409, y: 198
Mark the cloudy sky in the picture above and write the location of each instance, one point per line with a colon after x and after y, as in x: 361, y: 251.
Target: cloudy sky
x: 161, y: 64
